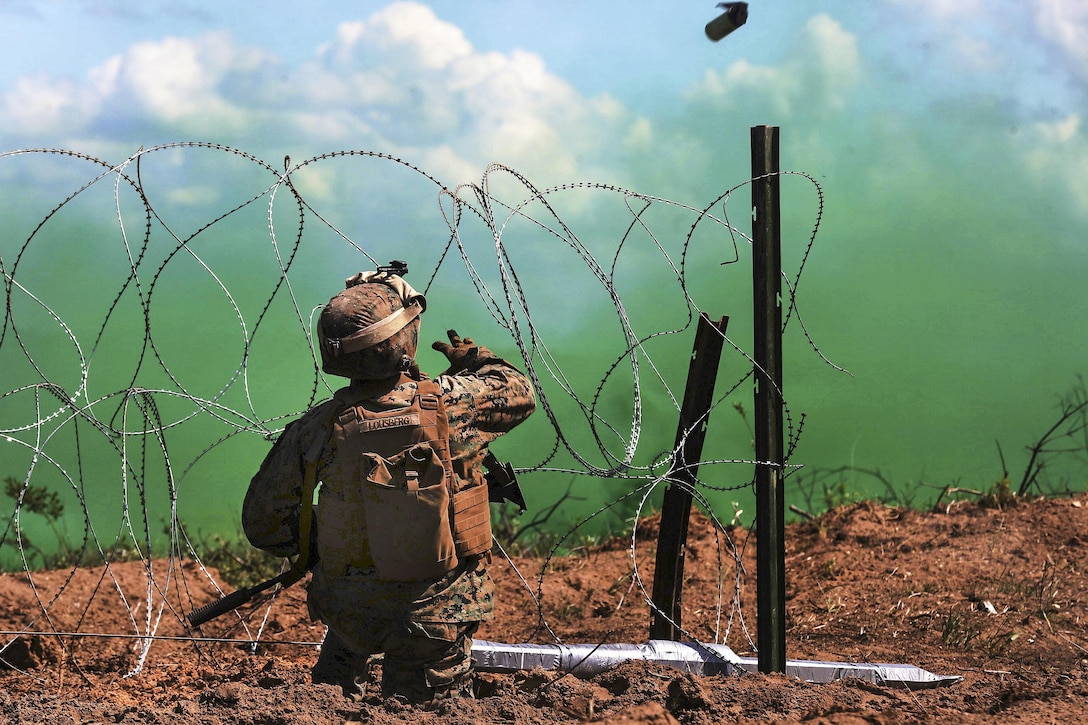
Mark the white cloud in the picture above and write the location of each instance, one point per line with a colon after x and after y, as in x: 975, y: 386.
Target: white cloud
x: 945, y: 9
x: 819, y: 76
x: 402, y: 81
x: 409, y: 31
x: 422, y: 90
x: 640, y: 136
x: 36, y: 105
x: 193, y: 195
x: 175, y: 82
x: 1060, y: 157
x: 170, y: 78
x: 444, y: 163
x: 837, y: 67
x: 987, y: 37
x: 1065, y: 24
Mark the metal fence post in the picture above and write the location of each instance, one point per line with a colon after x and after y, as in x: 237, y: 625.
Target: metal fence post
x: 676, y: 506
x: 770, y: 502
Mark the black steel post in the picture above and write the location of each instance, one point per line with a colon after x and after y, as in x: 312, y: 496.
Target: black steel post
x: 770, y: 501
x: 676, y: 506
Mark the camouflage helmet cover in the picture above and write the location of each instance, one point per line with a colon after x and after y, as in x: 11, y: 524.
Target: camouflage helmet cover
x: 370, y: 330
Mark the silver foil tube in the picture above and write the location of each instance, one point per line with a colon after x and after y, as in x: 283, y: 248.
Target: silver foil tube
x: 697, y: 658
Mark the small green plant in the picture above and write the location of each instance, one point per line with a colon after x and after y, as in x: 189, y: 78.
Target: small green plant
x: 1000, y: 496
x: 838, y: 494
x: 48, y: 505
x: 958, y: 632
x: 238, y: 563
x: 824, y: 489
x: 737, y: 513
x: 36, y: 500
x: 532, y: 537
x: 570, y: 611
x: 829, y: 569
x: 1068, y: 434
x: 998, y: 644
x: 1046, y: 592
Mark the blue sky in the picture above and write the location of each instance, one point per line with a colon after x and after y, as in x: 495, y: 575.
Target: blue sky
x: 124, y: 73
x: 948, y: 137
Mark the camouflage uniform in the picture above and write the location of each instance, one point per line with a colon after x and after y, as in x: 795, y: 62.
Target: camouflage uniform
x: 424, y: 628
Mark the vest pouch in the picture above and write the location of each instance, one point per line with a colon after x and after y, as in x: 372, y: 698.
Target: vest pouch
x: 472, y: 521
x: 342, y: 541
x: 407, y: 508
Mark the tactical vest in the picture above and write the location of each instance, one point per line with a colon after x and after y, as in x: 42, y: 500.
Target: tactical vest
x: 398, y: 507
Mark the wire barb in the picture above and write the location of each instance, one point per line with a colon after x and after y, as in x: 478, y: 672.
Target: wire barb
x: 136, y: 398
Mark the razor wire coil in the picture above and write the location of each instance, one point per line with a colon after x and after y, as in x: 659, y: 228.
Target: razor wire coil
x: 135, y: 427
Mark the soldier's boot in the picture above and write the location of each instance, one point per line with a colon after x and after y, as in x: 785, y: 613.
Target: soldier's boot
x: 461, y: 686
x: 451, y: 676
x: 428, y: 670
x: 338, y: 665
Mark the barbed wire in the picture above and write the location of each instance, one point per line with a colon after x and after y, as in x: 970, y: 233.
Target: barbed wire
x: 114, y: 457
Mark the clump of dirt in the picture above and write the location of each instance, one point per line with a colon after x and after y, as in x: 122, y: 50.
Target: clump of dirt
x: 995, y: 596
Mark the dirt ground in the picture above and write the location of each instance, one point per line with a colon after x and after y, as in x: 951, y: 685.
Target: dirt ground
x: 996, y: 597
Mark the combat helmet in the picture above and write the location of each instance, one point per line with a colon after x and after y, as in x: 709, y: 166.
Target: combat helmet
x: 370, y: 330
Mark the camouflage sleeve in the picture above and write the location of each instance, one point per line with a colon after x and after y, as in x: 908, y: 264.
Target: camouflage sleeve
x: 481, y: 405
x: 493, y: 398
x: 270, y: 511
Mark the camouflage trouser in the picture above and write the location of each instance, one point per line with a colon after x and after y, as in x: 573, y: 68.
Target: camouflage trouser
x: 423, y: 662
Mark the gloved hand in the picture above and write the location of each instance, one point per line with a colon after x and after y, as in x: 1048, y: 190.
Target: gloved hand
x: 463, y: 354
